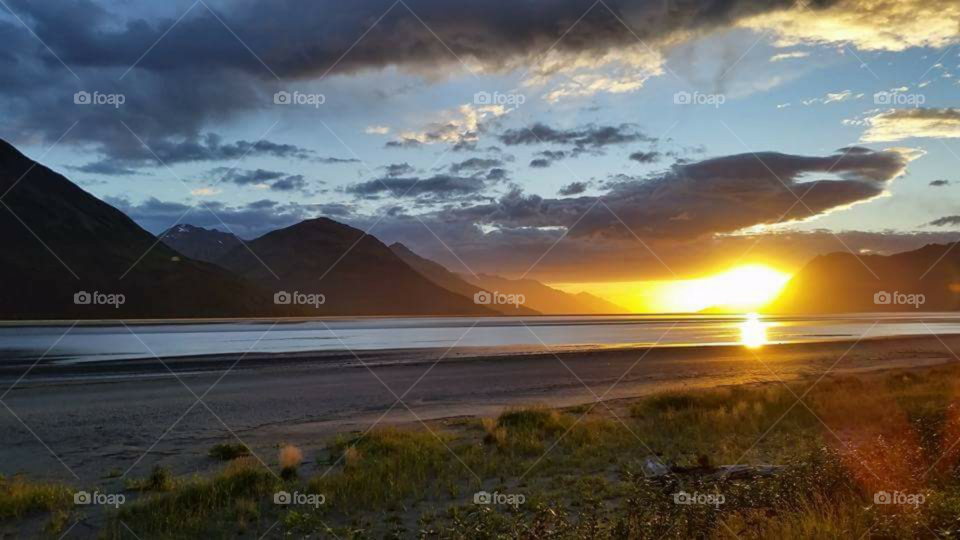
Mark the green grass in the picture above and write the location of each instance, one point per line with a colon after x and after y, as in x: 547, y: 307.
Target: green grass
x: 229, y: 503
x: 388, y: 466
x: 160, y: 480
x: 20, y: 498
x: 228, y: 451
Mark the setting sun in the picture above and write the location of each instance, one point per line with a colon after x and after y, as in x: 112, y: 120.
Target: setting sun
x: 744, y: 288
x: 741, y: 289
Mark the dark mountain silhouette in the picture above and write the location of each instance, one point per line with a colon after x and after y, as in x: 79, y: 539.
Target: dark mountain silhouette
x: 839, y: 282
x: 357, y: 274
x: 547, y: 300
x: 198, y: 243
x: 59, y: 240
x: 450, y: 281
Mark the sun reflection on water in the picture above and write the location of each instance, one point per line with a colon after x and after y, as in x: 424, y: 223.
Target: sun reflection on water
x: 753, y: 332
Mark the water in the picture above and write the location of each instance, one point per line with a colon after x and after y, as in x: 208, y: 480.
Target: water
x: 117, y: 342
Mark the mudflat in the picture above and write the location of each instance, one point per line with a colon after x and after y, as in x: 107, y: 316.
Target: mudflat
x: 97, y: 421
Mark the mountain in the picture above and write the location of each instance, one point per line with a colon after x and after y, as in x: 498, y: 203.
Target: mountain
x: 198, y: 243
x: 839, y: 282
x: 356, y: 273
x: 547, y: 300
x: 59, y: 240
x: 450, y: 281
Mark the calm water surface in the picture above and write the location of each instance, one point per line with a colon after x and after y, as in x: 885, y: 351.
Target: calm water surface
x: 113, y: 342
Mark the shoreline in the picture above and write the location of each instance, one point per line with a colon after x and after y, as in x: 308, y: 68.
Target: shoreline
x: 54, y: 371
x: 103, y: 425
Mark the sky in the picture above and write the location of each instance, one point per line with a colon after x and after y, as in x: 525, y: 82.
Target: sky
x: 591, y: 144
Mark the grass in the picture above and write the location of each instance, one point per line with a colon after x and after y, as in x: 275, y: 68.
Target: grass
x: 20, y: 498
x: 228, y: 504
x: 228, y: 451
x: 160, y: 480
x: 582, y: 471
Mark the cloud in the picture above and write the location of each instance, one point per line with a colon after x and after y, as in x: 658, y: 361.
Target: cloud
x: 540, y: 163
x: 573, y: 188
x: 714, y: 196
x: 440, y: 187
x: 780, y: 57
x: 335, y: 161
x: 246, y: 221
x: 645, y: 157
x: 939, y: 183
x: 377, y: 130
x: 834, y: 97
x: 475, y: 164
x: 398, y: 169
x: 899, y: 124
x: 275, y: 180
x: 869, y: 25
x: 463, y: 125
x: 590, y: 138
x: 209, y: 147
x: 945, y: 221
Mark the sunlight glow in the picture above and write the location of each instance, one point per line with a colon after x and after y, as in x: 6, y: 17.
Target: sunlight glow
x: 753, y: 333
x: 742, y: 289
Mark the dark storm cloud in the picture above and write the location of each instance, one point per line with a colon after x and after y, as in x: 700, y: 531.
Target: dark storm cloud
x: 198, y: 74
x: 304, y: 38
x: 940, y: 183
x: 540, y: 163
x: 440, y: 187
x: 717, y: 195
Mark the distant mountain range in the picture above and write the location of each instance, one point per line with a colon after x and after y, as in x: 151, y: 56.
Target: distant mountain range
x: 198, y: 243
x: 450, y: 281
x: 842, y: 282
x: 65, y: 250
x: 356, y: 273
x: 547, y: 300
x: 60, y: 242
x: 70, y: 255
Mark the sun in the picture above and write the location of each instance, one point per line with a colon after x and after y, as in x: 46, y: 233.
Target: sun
x: 745, y: 288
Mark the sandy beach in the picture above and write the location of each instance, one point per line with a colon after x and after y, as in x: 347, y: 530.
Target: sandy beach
x: 105, y: 418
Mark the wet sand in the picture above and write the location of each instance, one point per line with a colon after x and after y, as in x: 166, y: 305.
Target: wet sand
x: 106, y: 419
